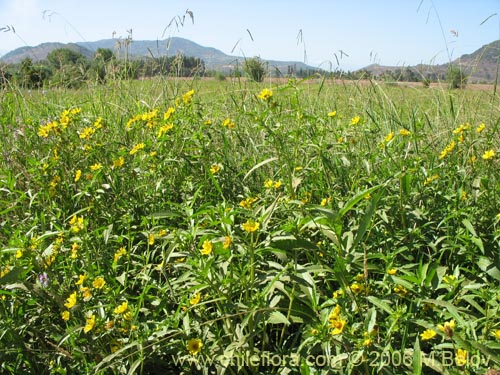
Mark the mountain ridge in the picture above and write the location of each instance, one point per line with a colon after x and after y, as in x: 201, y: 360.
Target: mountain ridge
x: 480, y: 66
x: 214, y: 59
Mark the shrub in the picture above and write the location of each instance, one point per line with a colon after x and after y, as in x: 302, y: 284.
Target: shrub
x: 255, y: 69
x: 456, y: 77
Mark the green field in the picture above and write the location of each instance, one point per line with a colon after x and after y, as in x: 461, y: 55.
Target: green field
x: 228, y: 227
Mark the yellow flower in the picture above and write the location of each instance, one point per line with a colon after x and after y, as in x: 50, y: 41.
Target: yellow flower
x: 401, y: 290
x: 19, y: 254
x: 447, y: 327
x: 389, y: 137
x: 265, y: 94
x: 428, y: 180
x: 227, y: 242
x: 277, y: 184
x: 338, y: 293
x: 119, y: 253
x: 151, y: 239
x: 480, y: 128
x: 194, y: 300
x: 461, y: 128
x: 337, y: 325
x: 449, y: 279
x: 404, y: 132
x: 74, y: 250
x: 96, y: 166
x: 87, y: 133
x: 355, y: 120
x: 98, y: 283
x: 489, y: 154
x: 165, y: 129
x: 98, y: 123
x: 247, y: 203
x: 448, y: 149
x: 367, y: 342
x: 428, y: 334
x: 168, y: 113
x: 392, y: 271
x: 90, y: 322
x: 215, y: 168
x: 65, y: 315
x: 78, y: 174
x: 268, y: 183
x: 206, y: 248
x: 122, y: 308
x: 332, y: 114
x: 250, y: 226
x: 461, y: 357
x: 496, y: 333
x: 356, y: 288
x: 194, y: 346
x: 335, y: 313
x: 118, y: 163
x: 86, y: 293
x: 71, y: 300
x: 137, y: 148
x: 81, y: 279
x: 186, y: 98
x: 229, y: 124
x: 127, y: 315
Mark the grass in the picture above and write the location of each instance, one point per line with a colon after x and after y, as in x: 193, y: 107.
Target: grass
x: 189, y: 226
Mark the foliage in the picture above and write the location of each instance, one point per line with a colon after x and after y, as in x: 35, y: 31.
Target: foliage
x: 187, y: 226
x: 456, y: 77
x: 255, y: 69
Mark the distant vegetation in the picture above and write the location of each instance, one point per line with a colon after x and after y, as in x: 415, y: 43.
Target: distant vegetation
x: 65, y: 67
x: 72, y: 65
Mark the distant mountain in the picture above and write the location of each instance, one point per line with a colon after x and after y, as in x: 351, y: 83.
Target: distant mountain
x: 480, y: 66
x: 41, y: 51
x: 213, y: 58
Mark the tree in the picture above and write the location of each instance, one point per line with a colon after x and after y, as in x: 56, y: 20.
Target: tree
x: 64, y: 56
x: 456, y: 77
x: 29, y: 75
x: 101, y: 65
x: 70, y: 67
x: 255, y: 69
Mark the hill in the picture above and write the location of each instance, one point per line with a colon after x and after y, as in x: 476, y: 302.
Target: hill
x: 214, y: 59
x: 41, y: 51
x: 480, y: 65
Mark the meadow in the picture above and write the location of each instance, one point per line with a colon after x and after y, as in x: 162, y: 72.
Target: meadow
x: 198, y: 226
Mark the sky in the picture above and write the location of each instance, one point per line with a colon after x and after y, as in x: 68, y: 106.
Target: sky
x: 331, y: 34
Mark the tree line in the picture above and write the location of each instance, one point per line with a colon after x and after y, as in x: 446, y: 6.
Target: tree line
x: 68, y: 68
x: 65, y: 67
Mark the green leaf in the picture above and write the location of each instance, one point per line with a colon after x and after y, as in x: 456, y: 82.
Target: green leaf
x: 451, y: 309
x: 107, y: 233
x: 486, y: 265
x: 417, y: 358
x: 264, y: 162
x: 11, y: 276
x: 367, y: 218
x: 277, y: 317
x: 382, y: 304
x: 354, y: 200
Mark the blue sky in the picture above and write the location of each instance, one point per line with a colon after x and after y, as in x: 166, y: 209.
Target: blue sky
x: 389, y: 32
